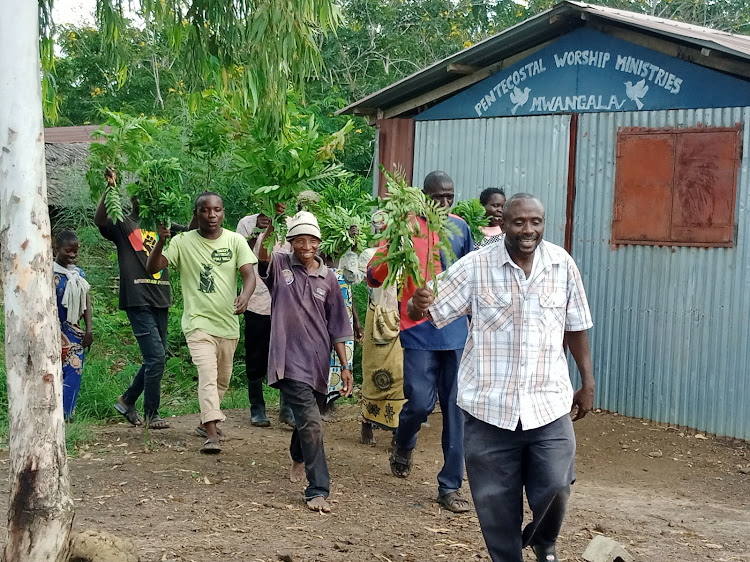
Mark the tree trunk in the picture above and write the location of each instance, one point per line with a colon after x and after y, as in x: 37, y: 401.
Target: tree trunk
x: 40, y: 513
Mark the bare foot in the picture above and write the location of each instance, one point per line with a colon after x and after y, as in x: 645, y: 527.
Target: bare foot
x: 366, y: 435
x: 297, y: 473
x: 320, y: 504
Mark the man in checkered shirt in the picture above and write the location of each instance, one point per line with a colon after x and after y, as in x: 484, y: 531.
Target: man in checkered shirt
x: 524, y: 295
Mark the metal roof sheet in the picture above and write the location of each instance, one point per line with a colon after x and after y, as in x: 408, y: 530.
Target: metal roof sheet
x: 537, y: 30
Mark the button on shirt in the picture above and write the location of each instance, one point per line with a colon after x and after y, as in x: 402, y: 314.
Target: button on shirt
x: 514, y: 365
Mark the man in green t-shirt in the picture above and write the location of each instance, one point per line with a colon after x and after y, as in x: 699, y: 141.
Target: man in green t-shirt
x: 208, y: 260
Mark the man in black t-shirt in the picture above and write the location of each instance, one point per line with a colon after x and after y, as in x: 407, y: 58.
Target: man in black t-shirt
x: 145, y: 298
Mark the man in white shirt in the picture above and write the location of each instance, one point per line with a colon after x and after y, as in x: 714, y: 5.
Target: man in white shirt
x: 524, y: 296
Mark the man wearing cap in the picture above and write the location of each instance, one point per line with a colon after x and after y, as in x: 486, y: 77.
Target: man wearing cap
x: 308, y: 317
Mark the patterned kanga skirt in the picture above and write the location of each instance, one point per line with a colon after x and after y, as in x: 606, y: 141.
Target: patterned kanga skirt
x: 382, y: 369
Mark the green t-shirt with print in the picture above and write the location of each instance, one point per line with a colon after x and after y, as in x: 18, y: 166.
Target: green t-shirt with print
x: 208, y: 275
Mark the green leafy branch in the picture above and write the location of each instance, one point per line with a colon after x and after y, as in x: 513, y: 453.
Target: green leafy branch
x: 473, y: 212
x: 402, y: 207
x: 335, y: 224
x: 300, y: 159
x: 125, y: 149
x: 160, y: 193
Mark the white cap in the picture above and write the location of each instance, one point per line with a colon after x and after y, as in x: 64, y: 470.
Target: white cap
x: 303, y: 222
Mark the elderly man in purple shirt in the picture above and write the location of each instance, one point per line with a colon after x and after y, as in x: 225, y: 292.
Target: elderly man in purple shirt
x: 308, y: 316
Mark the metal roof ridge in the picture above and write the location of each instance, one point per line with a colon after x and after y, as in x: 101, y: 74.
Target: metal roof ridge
x: 656, y: 19
x: 447, y: 60
x: 732, y: 44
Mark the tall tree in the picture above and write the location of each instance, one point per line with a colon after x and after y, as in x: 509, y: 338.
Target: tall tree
x: 87, y: 78
x: 41, y: 509
x: 278, y: 39
x: 381, y: 41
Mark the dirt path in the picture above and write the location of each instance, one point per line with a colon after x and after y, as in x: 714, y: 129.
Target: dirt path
x: 664, y: 494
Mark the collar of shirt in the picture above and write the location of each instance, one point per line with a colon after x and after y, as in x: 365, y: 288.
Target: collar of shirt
x: 543, y: 260
x: 322, y: 270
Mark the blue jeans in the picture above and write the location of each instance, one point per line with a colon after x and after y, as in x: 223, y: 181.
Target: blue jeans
x: 150, y: 329
x: 431, y: 375
x: 500, y: 463
x: 307, y: 437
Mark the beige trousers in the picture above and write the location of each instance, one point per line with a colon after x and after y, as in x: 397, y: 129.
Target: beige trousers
x: 213, y: 357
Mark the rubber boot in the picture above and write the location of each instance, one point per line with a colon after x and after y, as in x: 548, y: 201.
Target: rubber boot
x: 285, y: 412
x: 258, y: 415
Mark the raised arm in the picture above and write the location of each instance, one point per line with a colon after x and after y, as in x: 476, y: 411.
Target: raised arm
x: 264, y: 256
x: 156, y: 261
x: 100, y: 217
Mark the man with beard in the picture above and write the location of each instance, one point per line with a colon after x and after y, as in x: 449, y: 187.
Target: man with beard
x: 524, y: 296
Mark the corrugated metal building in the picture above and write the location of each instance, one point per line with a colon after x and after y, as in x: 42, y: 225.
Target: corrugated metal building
x: 633, y: 130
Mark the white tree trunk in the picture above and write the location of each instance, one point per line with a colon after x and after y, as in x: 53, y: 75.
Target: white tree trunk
x: 40, y: 513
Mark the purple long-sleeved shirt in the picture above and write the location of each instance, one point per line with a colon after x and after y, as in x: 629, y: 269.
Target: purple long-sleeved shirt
x: 308, y: 316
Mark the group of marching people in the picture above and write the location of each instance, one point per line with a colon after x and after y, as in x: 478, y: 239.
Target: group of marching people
x: 490, y: 349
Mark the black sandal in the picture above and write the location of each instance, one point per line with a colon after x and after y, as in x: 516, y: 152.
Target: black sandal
x: 157, y: 422
x: 454, y: 502
x: 128, y: 412
x: 400, y: 464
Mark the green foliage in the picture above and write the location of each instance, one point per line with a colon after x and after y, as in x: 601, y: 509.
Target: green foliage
x: 473, y: 212
x: 143, y: 77
x: 335, y: 224
x: 124, y: 150
x: 249, y: 51
x: 301, y: 159
x: 381, y: 41
x: 402, y: 206
x: 353, y: 193
x: 160, y: 193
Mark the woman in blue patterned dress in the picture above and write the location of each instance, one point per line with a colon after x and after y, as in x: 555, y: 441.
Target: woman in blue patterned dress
x: 73, y: 303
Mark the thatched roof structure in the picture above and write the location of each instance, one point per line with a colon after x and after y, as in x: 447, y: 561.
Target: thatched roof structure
x: 63, y: 162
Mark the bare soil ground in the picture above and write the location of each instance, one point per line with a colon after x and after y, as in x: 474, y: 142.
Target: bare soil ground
x: 665, y: 494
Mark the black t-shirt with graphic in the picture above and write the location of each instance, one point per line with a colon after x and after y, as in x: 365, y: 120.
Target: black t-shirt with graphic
x: 137, y: 286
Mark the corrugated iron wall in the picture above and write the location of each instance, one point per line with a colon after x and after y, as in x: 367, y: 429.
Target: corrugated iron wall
x: 671, y: 336
x: 521, y: 153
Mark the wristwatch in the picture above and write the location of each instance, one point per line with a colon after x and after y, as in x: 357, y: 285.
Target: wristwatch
x: 346, y: 367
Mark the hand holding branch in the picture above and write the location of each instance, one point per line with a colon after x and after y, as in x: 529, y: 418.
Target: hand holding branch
x: 420, y: 303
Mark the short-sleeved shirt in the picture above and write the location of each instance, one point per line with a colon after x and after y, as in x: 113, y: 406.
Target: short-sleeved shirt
x: 137, y: 286
x: 514, y: 365
x: 308, y: 316
x: 422, y: 334
x: 208, y: 276
x: 260, y: 301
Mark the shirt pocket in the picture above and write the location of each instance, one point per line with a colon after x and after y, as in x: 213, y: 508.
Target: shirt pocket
x: 553, y: 306
x: 494, y: 312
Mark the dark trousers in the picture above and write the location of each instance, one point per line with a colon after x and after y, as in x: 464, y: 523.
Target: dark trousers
x: 431, y: 375
x: 149, y: 326
x: 500, y: 463
x: 307, y: 437
x: 257, y: 340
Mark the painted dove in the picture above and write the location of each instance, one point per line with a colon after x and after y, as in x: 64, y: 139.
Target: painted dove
x: 519, y: 97
x: 636, y: 92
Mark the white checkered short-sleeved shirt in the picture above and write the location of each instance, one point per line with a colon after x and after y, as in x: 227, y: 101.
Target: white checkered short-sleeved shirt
x: 514, y: 366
